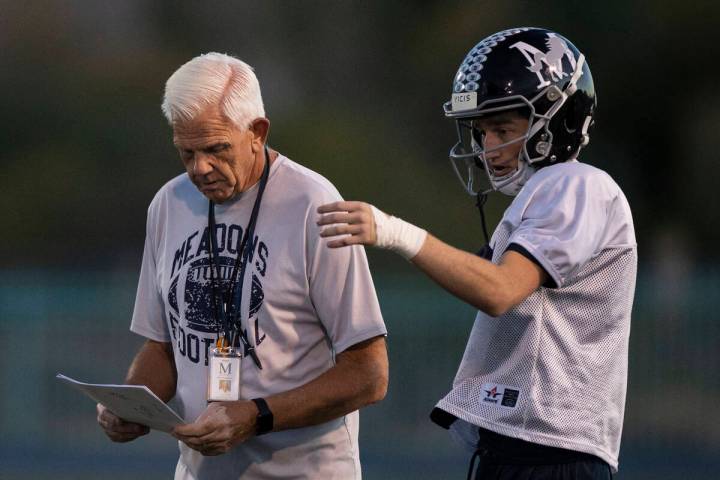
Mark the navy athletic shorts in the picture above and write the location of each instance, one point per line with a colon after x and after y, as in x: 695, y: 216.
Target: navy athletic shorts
x: 499, y: 457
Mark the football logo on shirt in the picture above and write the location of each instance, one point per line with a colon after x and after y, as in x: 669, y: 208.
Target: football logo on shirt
x: 191, y: 294
x: 199, y: 298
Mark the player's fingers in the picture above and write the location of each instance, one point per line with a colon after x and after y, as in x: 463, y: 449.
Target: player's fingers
x: 329, y: 207
x: 350, y: 218
x: 345, y: 241
x: 337, y: 217
x: 343, y: 206
x: 342, y: 230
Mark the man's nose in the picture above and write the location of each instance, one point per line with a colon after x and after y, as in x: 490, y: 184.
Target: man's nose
x: 491, y: 142
x: 201, y: 165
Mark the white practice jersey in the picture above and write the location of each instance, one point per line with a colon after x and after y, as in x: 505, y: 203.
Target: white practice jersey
x: 553, y: 369
x: 302, y: 304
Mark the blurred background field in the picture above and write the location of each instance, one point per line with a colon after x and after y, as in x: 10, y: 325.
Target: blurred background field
x: 354, y: 90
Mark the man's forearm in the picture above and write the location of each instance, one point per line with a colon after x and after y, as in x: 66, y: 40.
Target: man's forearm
x: 359, y: 378
x: 154, y: 366
x: 489, y: 287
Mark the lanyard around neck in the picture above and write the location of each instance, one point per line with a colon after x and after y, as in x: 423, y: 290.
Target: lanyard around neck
x: 227, y: 308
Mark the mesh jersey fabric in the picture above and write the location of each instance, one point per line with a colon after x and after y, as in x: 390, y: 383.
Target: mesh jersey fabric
x: 553, y: 369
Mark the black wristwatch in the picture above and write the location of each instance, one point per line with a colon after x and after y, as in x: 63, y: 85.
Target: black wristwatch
x: 264, y: 418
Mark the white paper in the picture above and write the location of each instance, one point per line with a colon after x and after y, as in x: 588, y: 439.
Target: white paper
x: 133, y: 403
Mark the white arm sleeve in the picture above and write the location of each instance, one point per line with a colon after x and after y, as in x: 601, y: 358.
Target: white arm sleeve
x: 149, y: 313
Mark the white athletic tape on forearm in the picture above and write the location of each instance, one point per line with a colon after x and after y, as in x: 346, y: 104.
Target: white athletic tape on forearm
x: 396, y: 234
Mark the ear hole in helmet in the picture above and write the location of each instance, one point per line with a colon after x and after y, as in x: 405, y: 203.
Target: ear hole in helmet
x: 573, y: 116
x: 568, y: 128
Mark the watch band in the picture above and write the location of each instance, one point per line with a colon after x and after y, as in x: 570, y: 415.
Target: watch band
x: 264, y: 418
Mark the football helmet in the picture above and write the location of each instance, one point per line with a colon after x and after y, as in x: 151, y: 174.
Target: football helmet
x: 537, y: 73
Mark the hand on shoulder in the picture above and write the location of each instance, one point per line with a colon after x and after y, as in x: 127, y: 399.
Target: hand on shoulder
x: 364, y: 224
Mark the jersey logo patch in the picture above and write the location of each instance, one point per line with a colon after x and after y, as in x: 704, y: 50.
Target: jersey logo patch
x: 500, y: 395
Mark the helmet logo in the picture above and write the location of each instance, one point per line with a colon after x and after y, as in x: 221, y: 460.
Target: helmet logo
x: 557, y: 49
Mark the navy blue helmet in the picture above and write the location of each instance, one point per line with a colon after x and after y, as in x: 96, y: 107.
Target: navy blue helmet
x: 536, y: 72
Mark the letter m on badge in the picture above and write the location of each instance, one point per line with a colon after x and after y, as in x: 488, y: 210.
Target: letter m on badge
x: 226, y: 368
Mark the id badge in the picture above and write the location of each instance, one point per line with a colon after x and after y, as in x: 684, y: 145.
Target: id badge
x: 224, y: 374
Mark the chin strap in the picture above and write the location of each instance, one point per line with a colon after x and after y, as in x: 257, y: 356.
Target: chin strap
x: 480, y: 203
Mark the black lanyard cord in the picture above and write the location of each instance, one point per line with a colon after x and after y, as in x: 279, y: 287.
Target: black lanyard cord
x: 228, y: 313
x: 218, y: 308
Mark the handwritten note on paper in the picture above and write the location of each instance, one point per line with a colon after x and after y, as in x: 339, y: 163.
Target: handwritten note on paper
x: 133, y: 403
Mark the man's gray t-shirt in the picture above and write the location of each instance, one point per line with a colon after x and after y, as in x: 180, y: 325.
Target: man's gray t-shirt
x: 305, y: 303
x: 553, y: 369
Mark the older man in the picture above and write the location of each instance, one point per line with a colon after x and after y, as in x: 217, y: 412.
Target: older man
x: 234, y: 271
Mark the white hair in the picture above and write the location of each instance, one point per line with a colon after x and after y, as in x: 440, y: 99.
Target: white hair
x: 213, y: 79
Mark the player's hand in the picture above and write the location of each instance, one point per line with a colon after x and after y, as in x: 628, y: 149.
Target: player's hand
x: 355, y: 220
x: 118, y: 429
x: 362, y: 223
x: 220, y: 427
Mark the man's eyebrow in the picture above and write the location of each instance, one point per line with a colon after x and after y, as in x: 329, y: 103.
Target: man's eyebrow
x: 206, y: 148
x: 217, y: 145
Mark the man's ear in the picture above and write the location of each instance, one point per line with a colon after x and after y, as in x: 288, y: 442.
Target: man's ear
x: 260, y: 127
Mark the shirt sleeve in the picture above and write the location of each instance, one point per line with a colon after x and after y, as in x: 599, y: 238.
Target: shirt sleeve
x: 149, y: 313
x: 563, y: 223
x: 341, y: 288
